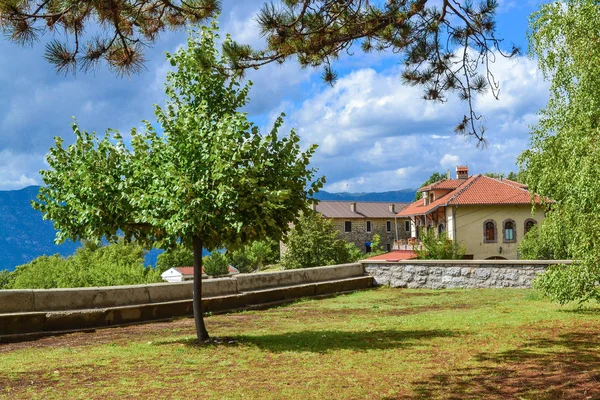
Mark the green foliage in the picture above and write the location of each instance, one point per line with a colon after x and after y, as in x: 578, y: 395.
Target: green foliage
x: 215, y: 264
x: 45, y: 272
x: 376, y: 246
x: 563, y: 160
x: 314, y: 242
x: 254, y: 256
x: 91, y: 265
x: 436, y: 176
x: 540, y: 244
x: 177, y: 257
x: 439, y: 247
x: 5, y: 279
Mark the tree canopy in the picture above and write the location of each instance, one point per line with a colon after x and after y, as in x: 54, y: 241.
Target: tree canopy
x: 563, y: 160
x: 211, y: 179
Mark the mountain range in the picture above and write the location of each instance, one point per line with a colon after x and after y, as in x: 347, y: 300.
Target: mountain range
x: 24, y: 235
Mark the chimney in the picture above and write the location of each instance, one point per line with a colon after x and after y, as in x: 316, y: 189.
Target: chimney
x: 448, y: 174
x: 392, y: 208
x: 462, y: 172
x: 353, y: 207
x: 313, y: 205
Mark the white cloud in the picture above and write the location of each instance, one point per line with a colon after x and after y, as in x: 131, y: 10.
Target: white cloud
x: 449, y: 160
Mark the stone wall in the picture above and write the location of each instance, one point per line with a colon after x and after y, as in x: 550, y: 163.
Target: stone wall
x: 447, y: 274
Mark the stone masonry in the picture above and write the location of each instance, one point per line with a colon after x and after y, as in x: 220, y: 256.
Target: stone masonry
x: 359, y: 235
x: 431, y: 274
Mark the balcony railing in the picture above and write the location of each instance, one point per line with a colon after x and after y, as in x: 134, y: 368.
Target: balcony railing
x: 407, y: 244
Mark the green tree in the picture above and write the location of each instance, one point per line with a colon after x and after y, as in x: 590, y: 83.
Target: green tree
x: 436, y: 176
x: 177, y: 257
x: 314, y: 242
x: 563, y: 160
x: 210, y: 180
x: 439, y: 247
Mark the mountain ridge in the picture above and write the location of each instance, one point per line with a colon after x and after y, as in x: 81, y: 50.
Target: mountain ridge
x: 24, y: 235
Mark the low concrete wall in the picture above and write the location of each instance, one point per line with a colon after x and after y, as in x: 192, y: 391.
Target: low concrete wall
x: 434, y: 274
x: 38, y: 311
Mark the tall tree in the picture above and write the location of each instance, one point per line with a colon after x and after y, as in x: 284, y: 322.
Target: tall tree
x: 121, y: 28
x: 563, y: 162
x: 210, y: 180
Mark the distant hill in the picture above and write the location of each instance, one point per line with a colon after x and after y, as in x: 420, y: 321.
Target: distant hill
x: 24, y: 235
x: 400, y: 196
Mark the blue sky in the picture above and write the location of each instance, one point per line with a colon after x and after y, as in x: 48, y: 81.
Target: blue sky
x: 374, y: 133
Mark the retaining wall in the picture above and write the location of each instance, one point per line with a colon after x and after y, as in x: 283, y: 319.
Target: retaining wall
x: 434, y: 274
x: 44, y: 310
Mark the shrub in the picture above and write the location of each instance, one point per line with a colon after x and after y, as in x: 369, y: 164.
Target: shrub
x: 215, y: 264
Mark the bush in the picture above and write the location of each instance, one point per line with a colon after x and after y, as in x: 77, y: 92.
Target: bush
x: 254, y: 256
x: 91, y: 265
x: 314, y: 242
x: 215, y: 264
x: 439, y: 247
x: 5, y: 279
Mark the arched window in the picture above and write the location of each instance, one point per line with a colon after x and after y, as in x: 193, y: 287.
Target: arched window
x: 489, y: 231
x: 529, y: 223
x: 509, y: 231
x: 441, y: 229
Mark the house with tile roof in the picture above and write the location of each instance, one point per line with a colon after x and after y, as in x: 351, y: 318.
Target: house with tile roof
x: 181, y: 274
x: 358, y: 221
x: 490, y: 216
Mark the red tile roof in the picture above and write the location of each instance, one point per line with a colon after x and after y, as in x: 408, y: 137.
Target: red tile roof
x: 449, y: 184
x: 478, y: 189
x: 395, y: 255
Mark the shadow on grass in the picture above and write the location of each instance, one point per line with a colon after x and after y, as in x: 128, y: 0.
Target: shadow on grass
x: 328, y: 340
x: 567, y: 366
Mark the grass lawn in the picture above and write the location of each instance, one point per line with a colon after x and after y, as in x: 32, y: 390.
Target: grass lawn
x: 376, y: 344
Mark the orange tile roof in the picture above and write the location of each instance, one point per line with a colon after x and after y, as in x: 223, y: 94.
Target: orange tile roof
x: 395, y: 255
x: 478, y: 189
x: 450, y: 184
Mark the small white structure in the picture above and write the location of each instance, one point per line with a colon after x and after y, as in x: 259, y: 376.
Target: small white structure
x: 180, y: 274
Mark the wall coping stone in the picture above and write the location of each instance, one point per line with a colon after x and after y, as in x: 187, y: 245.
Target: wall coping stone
x: 468, y: 262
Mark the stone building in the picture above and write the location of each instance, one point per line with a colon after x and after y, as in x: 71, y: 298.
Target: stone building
x: 358, y: 221
x: 490, y: 216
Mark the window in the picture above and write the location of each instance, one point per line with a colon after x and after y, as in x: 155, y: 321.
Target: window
x: 347, y: 226
x: 510, y: 234
x: 441, y: 229
x: 388, y: 247
x: 388, y: 226
x: 489, y: 231
x: 407, y: 226
x: 529, y: 223
x: 368, y: 226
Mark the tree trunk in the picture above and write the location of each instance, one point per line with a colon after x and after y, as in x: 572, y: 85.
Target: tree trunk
x: 198, y: 309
